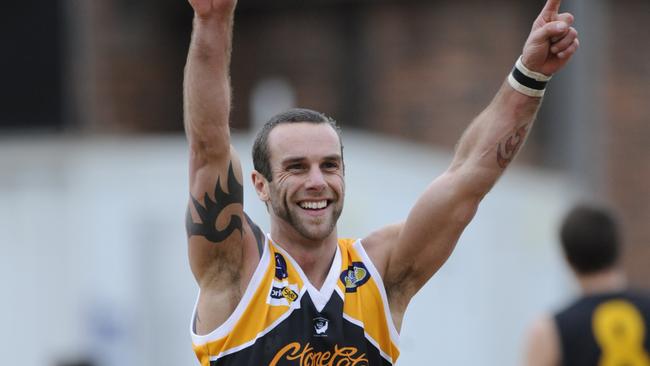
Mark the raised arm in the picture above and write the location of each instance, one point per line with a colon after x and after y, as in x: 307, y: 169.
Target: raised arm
x: 207, y: 86
x: 409, y: 254
x: 222, y: 246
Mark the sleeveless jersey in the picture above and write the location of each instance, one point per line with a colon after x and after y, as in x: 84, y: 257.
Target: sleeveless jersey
x: 283, y: 320
x: 606, y: 330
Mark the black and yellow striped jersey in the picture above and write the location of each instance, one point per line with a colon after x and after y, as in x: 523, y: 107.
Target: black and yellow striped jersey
x: 282, y: 319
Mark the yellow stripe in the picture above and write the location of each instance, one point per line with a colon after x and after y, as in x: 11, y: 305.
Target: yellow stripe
x: 366, y: 305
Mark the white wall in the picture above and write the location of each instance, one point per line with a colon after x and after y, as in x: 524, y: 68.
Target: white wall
x: 93, y: 254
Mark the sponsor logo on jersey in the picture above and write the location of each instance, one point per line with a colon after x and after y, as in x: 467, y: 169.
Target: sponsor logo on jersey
x: 355, y: 276
x: 280, y: 267
x: 304, y: 355
x: 320, y: 326
x: 282, y: 293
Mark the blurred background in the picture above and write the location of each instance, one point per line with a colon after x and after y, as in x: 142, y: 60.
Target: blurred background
x: 93, y: 161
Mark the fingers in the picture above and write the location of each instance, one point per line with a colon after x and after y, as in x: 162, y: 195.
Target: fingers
x: 210, y: 8
x: 551, y: 9
x: 564, y: 42
x: 564, y: 17
x: 569, y: 51
x: 550, y: 31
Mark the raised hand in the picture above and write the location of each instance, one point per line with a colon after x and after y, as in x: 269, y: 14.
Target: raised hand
x: 552, y: 40
x: 208, y: 8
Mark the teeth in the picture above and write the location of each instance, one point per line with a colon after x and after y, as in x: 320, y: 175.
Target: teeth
x: 313, y: 205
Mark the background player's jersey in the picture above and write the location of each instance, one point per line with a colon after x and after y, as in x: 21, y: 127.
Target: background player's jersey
x: 606, y: 330
x: 283, y: 320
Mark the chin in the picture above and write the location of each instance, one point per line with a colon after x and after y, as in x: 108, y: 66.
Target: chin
x: 316, y: 234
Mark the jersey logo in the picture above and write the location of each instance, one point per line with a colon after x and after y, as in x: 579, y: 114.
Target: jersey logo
x: 280, y: 267
x: 619, y: 330
x: 320, y: 326
x: 282, y: 293
x: 355, y: 276
x: 305, y: 355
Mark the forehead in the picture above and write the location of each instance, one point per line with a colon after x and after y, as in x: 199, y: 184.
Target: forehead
x: 303, y: 140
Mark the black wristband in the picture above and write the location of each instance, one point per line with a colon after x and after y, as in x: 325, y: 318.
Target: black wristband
x: 526, y: 81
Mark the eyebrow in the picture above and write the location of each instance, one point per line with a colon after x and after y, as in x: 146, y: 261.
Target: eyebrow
x: 333, y: 157
x: 297, y: 159
x: 292, y: 159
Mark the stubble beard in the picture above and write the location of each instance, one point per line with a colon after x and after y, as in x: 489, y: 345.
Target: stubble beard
x: 281, y: 209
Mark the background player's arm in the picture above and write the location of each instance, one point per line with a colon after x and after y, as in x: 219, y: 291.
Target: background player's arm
x: 409, y: 254
x: 542, y: 344
x: 219, y: 235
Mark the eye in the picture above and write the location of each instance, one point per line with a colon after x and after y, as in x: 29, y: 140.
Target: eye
x: 330, y: 165
x: 295, y: 167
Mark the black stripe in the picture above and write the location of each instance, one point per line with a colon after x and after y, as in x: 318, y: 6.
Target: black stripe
x: 526, y: 81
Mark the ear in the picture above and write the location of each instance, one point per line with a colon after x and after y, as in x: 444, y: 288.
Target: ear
x: 261, y: 186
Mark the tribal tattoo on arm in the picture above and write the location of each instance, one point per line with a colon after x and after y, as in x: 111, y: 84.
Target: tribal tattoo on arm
x: 210, y: 210
x: 508, y: 147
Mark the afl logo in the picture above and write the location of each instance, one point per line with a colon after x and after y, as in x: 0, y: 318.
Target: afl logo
x: 280, y: 267
x: 355, y: 276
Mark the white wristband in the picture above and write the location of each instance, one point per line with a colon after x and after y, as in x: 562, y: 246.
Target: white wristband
x: 527, y: 82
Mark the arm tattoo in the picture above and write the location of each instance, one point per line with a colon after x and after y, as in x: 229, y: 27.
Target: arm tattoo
x: 209, y: 211
x: 506, y: 150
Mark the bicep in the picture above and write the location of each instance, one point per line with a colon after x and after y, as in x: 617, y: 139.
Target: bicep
x: 429, y: 234
x: 215, y: 220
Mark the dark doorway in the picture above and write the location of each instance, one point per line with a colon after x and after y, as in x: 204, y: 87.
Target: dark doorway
x: 31, y: 92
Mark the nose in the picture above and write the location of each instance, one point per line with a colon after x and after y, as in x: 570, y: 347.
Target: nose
x: 315, y: 180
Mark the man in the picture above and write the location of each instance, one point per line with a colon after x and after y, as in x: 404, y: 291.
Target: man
x: 301, y: 295
x: 608, y: 324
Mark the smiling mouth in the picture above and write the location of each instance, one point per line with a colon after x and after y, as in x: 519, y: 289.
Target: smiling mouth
x: 314, y: 205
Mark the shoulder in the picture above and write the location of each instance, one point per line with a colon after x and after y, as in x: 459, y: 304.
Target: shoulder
x: 379, y: 244
x: 638, y: 295
x: 576, y: 305
x: 382, y: 238
x: 542, y: 343
x: 543, y: 327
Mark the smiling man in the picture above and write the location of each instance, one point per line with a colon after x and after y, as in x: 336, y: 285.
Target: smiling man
x: 300, y: 295
x: 300, y: 157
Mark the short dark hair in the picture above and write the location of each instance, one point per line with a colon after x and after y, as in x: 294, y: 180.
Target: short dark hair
x: 590, y: 239
x: 261, y: 154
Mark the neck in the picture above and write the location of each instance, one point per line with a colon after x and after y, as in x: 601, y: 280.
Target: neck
x: 609, y: 280
x: 313, y: 256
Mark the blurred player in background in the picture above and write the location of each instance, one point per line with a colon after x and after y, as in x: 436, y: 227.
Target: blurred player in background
x: 609, y: 323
